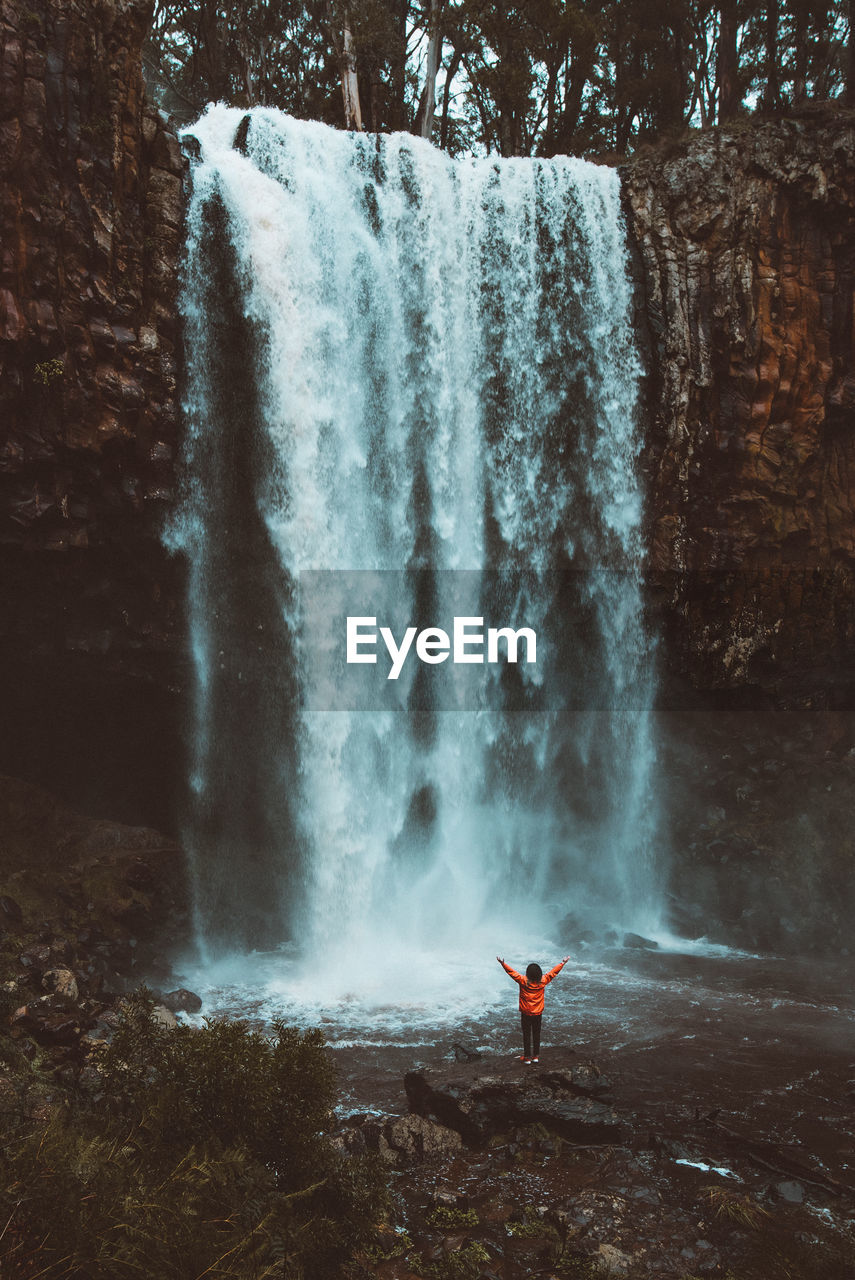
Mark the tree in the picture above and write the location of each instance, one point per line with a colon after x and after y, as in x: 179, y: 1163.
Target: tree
x: 772, y: 95
x: 423, y: 125
x: 342, y: 39
x: 520, y: 77
x: 729, y: 93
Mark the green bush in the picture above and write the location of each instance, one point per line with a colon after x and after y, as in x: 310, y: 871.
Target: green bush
x: 205, y: 1154
x: 464, y: 1264
x: 446, y: 1218
x: 47, y: 372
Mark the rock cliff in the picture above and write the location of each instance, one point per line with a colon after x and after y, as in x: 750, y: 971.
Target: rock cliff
x: 745, y: 255
x: 90, y: 214
x: 744, y: 249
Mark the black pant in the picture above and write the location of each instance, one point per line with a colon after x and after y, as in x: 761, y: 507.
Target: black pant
x: 531, y: 1034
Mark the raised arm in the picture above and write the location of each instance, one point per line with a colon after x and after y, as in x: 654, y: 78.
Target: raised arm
x: 517, y: 977
x: 553, y: 973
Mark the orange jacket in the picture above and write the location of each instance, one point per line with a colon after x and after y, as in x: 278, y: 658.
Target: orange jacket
x: 531, y: 993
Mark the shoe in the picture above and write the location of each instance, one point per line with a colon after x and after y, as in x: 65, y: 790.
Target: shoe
x: 535, y: 1059
x: 523, y: 1058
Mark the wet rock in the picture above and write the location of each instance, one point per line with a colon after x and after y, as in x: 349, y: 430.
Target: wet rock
x: 140, y: 875
x: 398, y: 1140
x: 37, y: 958
x: 165, y: 197
x: 89, y: 225
x: 483, y: 1107
x: 739, y: 249
x: 614, y: 1261
x: 182, y: 1001
x: 192, y: 147
x: 47, y: 1021
x: 791, y: 1192
x: 61, y: 983
x: 242, y: 135
x: 10, y: 911
x: 454, y: 1243
x: 574, y: 932
x: 636, y: 941
x: 351, y: 1140
x: 164, y: 1017
x: 448, y: 1198
x: 419, y: 1138
x: 462, y: 1054
x: 584, y: 1079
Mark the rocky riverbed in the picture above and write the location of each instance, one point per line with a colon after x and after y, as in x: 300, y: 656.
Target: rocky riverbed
x: 692, y: 1114
x: 503, y: 1170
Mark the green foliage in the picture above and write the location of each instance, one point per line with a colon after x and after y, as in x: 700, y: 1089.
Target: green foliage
x: 47, y: 372
x: 226, y: 1083
x: 576, y: 1266
x: 464, y: 1264
x: 531, y: 1226
x: 525, y: 77
x: 83, y: 1204
x: 530, y: 1229
x: 204, y: 1156
x: 387, y: 1244
x: 730, y: 1206
x: 445, y: 1218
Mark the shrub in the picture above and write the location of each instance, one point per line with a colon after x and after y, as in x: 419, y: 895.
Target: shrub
x: 205, y: 1154
x: 446, y: 1218
x: 49, y: 371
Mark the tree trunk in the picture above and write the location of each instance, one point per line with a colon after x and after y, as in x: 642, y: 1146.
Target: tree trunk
x: 349, y: 83
x: 427, y: 103
x: 577, y: 74
x: 729, y: 96
x: 210, y: 52
x: 772, y: 97
x: 451, y: 72
x: 850, y: 71
x: 342, y: 38
x: 397, y: 66
x: 375, y: 99
x: 800, y: 41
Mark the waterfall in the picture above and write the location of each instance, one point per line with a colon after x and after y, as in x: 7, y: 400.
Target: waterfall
x: 411, y: 394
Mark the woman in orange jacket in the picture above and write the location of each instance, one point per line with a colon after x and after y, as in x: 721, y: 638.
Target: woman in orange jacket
x: 531, y: 1003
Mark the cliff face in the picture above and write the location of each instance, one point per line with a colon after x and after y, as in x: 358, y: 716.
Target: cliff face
x: 745, y: 247
x: 90, y: 217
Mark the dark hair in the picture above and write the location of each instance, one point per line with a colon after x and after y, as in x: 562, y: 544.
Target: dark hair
x: 534, y: 973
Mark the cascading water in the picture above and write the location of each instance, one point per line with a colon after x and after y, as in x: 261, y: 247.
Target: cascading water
x: 411, y: 394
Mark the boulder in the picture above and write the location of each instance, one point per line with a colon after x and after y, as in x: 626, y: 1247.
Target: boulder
x: 639, y: 943
x: 47, y: 1022
x: 61, y: 983
x: 182, y: 1001
x: 419, y: 1138
x: 397, y: 1139
x: 10, y: 912
x: 480, y: 1108
x: 583, y: 1079
x: 37, y: 958
x: 165, y: 1017
x: 613, y: 1261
